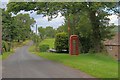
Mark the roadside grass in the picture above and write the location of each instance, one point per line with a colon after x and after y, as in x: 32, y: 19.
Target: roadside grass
x: 19, y: 44
x: 15, y: 45
x: 0, y: 57
x: 6, y: 54
x: 97, y: 65
x: 32, y: 48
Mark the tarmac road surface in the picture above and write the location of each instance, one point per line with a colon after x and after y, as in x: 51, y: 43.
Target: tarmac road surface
x: 23, y: 64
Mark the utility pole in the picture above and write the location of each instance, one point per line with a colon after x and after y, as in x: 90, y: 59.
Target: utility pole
x: 68, y: 26
x: 69, y: 31
x: 36, y: 28
x: 36, y: 34
x: 36, y: 38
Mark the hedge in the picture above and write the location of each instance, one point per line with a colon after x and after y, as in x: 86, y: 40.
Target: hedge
x: 61, y: 42
x: 43, y: 48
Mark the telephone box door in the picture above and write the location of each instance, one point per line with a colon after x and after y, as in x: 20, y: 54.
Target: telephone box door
x: 74, y: 45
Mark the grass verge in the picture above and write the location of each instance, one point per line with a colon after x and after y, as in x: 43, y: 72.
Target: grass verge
x: 97, y: 65
x: 15, y: 45
x: 6, y: 54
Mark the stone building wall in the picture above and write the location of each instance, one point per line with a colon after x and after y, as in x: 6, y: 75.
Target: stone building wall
x: 114, y: 51
x: 113, y: 46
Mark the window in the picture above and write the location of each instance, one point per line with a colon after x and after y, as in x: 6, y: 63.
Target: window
x: 110, y: 47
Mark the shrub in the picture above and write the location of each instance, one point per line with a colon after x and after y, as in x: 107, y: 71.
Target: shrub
x: 43, y: 48
x: 5, y: 46
x: 61, y: 42
x: 85, y: 44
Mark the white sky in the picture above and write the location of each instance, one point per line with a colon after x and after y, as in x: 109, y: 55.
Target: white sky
x: 43, y: 21
x: 114, y: 19
x: 4, y: 0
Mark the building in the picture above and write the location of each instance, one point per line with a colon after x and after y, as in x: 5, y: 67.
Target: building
x: 113, y: 46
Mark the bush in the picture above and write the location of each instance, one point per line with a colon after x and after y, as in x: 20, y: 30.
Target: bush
x: 5, y: 46
x: 61, y: 42
x: 85, y: 44
x: 43, y: 48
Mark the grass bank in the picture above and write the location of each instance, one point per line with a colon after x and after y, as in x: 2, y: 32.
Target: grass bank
x: 94, y: 64
x: 49, y: 42
x: 97, y: 65
x: 6, y: 54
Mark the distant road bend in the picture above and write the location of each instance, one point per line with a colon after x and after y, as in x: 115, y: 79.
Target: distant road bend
x: 23, y: 64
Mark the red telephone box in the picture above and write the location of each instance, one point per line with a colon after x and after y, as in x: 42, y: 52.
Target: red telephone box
x: 74, y: 45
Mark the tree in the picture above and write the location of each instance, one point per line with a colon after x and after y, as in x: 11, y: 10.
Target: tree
x: 41, y: 32
x: 15, y: 27
x: 7, y: 30
x: 96, y: 13
x: 46, y: 32
x: 98, y: 19
x: 63, y: 28
x: 50, y: 32
x: 7, y: 26
x: 83, y: 30
x: 26, y: 22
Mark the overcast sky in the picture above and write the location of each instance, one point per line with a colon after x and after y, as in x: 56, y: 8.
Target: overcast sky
x: 55, y: 23
x: 43, y: 21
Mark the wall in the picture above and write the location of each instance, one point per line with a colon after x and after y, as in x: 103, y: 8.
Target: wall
x: 114, y: 51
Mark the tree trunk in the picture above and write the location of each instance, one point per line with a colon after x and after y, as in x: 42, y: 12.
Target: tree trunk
x: 96, y: 40
x: 18, y: 40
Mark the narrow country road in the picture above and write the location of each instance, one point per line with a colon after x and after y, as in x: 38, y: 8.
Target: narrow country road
x: 23, y: 64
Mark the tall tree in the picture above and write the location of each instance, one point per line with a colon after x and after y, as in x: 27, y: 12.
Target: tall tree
x: 26, y: 22
x: 15, y: 27
x: 97, y: 14
x: 50, y: 32
x: 7, y: 26
x: 41, y: 32
x: 63, y: 28
x: 46, y: 32
x: 98, y: 18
